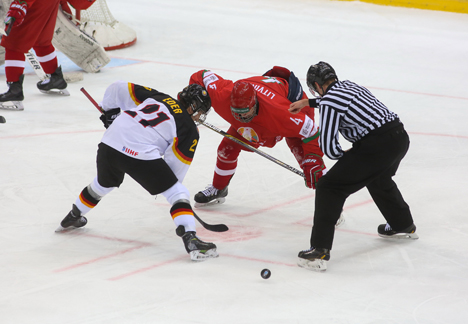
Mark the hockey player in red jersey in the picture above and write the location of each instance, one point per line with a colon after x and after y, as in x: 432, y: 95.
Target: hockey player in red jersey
x: 153, y: 141
x: 32, y: 26
x: 257, y: 109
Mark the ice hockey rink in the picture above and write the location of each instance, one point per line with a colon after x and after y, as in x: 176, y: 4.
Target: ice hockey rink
x: 128, y: 266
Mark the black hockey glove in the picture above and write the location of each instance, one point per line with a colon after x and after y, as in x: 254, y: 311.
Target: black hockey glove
x: 108, y: 117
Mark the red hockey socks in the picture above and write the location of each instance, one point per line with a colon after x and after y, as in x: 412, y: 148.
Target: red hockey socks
x: 226, y: 163
x: 14, y: 65
x: 47, y: 57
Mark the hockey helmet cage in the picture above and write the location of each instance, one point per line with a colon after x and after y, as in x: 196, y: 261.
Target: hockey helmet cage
x: 243, y: 101
x: 320, y: 73
x: 196, y: 97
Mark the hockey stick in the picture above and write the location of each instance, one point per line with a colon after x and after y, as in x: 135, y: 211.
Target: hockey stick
x: 253, y: 149
x: 10, y: 26
x: 91, y: 99
x: 69, y: 77
x: 210, y: 227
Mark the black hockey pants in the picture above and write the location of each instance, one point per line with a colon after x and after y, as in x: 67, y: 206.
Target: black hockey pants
x: 371, y: 163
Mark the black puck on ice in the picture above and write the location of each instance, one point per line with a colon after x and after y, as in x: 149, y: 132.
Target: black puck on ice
x: 266, y: 273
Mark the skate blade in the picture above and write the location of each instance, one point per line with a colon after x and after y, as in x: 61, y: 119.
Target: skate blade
x: 61, y: 229
x: 401, y: 236
x: 15, y: 105
x: 63, y: 92
x: 199, y: 256
x: 314, y: 265
x: 216, y: 201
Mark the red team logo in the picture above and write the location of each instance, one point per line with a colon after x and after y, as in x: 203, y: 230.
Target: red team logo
x: 249, y: 134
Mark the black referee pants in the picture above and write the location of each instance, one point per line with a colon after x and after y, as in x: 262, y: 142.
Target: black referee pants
x: 371, y: 163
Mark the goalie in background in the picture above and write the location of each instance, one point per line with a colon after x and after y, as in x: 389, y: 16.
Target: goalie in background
x: 153, y: 141
x: 257, y: 109
x: 33, y: 24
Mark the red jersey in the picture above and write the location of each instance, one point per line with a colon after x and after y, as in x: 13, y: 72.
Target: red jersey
x: 273, y: 121
x: 37, y: 28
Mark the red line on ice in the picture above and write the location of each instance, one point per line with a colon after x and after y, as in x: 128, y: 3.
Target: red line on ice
x: 128, y: 274
x: 213, y: 69
x: 262, y: 210
x: 77, y: 265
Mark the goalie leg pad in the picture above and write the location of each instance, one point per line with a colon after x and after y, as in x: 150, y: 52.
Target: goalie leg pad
x: 79, y: 47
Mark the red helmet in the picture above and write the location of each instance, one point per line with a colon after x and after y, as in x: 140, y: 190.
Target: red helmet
x: 243, y: 101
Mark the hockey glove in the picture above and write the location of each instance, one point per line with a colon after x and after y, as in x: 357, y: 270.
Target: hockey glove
x: 109, y: 116
x: 313, y: 168
x: 17, y: 12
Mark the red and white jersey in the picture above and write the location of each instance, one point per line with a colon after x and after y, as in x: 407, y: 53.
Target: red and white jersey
x: 151, y: 125
x: 273, y: 122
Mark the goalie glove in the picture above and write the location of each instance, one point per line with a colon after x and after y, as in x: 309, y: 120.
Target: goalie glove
x: 313, y: 168
x: 16, y: 13
x: 109, y: 116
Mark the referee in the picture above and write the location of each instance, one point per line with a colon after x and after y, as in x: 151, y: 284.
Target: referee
x: 379, y: 144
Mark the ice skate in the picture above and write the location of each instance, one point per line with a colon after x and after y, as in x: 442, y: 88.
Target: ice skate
x: 198, y: 250
x: 314, y: 259
x: 72, y: 220
x: 54, y: 84
x: 210, y: 196
x: 12, y: 99
x: 386, y: 231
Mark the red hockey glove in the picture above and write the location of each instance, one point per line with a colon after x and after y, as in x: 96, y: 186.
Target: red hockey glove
x: 313, y: 168
x: 18, y: 9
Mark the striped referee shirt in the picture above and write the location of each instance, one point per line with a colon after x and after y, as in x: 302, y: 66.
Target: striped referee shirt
x: 353, y: 111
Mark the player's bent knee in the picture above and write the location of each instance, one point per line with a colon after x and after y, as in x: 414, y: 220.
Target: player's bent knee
x: 98, y: 190
x: 177, y: 192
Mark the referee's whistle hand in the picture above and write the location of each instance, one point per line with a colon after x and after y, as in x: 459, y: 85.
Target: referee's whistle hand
x: 296, y: 107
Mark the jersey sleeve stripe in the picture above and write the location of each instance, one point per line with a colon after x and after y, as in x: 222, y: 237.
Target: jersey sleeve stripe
x: 308, y: 139
x: 131, y: 91
x: 183, y: 158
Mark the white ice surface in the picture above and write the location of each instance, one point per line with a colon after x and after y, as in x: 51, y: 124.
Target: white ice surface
x: 128, y: 266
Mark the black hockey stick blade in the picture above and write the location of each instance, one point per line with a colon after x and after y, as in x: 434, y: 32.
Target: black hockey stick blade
x: 211, y: 227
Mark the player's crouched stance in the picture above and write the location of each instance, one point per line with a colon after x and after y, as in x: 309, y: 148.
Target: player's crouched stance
x: 152, y: 125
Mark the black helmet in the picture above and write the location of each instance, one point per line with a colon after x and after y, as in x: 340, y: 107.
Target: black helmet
x: 197, y: 97
x: 320, y: 73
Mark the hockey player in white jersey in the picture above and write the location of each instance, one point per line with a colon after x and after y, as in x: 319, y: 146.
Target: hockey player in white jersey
x: 153, y: 140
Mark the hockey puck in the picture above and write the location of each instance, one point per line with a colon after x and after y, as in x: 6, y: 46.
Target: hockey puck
x: 2, y: 120
x: 266, y: 273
